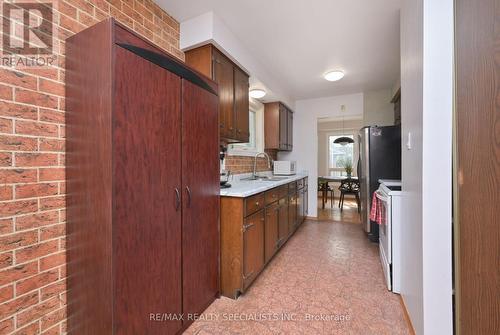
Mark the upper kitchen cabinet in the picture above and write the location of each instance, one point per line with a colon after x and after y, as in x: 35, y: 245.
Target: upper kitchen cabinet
x: 278, y: 126
x: 233, y: 91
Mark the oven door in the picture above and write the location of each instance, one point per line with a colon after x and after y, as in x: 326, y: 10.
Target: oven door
x: 385, y: 238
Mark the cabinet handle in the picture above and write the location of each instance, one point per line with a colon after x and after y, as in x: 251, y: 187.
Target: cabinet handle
x: 177, y: 199
x: 245, y: 277
x: 248, y: 226
x: 257, y: 204
x: 231, y: 128
x: 188, y: 191
x: 239, y: 131
x: 221, y: 125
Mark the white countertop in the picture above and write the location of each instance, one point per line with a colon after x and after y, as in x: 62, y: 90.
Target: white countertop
x: 244, y: 188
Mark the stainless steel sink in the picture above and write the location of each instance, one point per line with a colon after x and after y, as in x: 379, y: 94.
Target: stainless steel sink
x: 265, y: 178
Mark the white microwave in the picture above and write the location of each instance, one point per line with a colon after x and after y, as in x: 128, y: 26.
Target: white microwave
x: 285, y: 168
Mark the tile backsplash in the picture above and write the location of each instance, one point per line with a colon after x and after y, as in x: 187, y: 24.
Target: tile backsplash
x: 244, y: 164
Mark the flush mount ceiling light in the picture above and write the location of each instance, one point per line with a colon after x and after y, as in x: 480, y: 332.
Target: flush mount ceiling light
x: 334, y: 75
x: 257, y: 93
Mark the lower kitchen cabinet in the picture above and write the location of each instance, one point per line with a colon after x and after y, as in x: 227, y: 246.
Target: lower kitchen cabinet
x: 253, y: 229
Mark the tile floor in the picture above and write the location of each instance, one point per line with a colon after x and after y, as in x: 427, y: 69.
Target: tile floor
x: 326, y: 270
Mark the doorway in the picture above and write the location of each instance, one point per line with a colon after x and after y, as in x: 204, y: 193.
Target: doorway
x: 335, y: 161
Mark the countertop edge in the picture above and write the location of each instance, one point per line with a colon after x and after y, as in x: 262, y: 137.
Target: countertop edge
x: 261, y: 187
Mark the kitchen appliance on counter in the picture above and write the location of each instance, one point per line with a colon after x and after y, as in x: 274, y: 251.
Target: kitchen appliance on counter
x: 379, y: 158
x: 285, y: 168
x: 389, y: 197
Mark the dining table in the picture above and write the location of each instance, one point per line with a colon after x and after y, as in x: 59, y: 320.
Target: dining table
x: 330, y: 179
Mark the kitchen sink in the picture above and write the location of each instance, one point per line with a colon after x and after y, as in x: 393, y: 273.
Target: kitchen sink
x: 265, y: 178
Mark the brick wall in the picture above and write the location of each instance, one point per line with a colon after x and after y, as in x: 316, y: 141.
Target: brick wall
x: 32, y: 149
x: 244, y: 164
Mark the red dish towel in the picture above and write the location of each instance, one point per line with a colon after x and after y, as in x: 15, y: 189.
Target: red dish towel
x: 377, y: 211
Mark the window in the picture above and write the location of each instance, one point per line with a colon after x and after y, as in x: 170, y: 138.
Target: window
x: 256, y: 130
x: 339, y: 155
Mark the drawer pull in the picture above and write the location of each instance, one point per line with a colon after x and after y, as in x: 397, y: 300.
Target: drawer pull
x: 257, y: 203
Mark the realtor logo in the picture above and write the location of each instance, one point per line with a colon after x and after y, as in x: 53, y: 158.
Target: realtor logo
x: 27, y: 28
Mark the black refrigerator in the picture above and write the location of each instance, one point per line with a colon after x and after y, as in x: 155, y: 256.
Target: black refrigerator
x: 379, y: 158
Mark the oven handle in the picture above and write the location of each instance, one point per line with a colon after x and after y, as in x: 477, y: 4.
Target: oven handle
x: 381, y: 197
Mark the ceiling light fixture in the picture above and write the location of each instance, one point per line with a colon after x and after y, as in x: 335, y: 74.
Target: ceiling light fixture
x: 257, y: 93
x: 344, y: 140
x: 334, y: 75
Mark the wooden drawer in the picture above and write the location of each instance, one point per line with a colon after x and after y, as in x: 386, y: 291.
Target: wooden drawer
x: 292, y: 187
x: 275, y: 194
x: 254, y: 203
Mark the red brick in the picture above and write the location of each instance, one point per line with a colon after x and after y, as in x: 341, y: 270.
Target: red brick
x: 18, y: 207
x: 11, y: 109
x: 52, y: 261
x: 36, y: 220
x: 32, y: 328
x: 18, y: 143
x: 36, y: 98
x: 53, y: 318
x: 66, y: 9
x: 36, y: 159
x: 6, y: 259
x: 52, y: 174
x: 6, y: 226
x: 6, y: 293
x: 6, y: 326
x: 35, y: 282
x: 5, y: 193
x: 52, y: 203
x: 55, y: 330
x: 8, y: 176
x: 15, y: 78
x: 70, y: 24
x: 36, y: 128
x: 5, y: 92
x: 49, y: 115
x: 51, y: 87
x: 10, y: 275
x: 14, y: 241
x: 86, y: 19
x: 136, y: 16
x: 53, y: 290
x: 83, y: 5
x: 46, y: 72
x: 36, y: 251
x: 36, y: 190
x: 6, y: 126
x: 51, y: 232
x: 49, y: 144
x: 5, y: 159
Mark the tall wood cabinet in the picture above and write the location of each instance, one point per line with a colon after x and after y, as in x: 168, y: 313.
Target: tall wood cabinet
x: 142, y: 218
x: 278, y: 127
x: 233, y: 90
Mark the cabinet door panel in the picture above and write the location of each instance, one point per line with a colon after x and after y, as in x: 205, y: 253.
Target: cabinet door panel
x: 283, y: 119
x: 241, y: 106
x: 224, y: 76
x: 253, y: 246
x: 283, y: 221
x: 271, y: 231
x: 200, y: 197
x: 290, y: 130
x: 292, y: 213
x: 146, y: 170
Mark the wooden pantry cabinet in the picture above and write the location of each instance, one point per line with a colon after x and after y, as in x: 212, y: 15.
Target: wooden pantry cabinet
x: 233, y: 90
x: 253, y: 229
x: 278, y: 127
x: 142, y: 218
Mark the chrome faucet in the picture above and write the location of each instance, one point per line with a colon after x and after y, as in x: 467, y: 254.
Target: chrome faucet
x: 269, y: 161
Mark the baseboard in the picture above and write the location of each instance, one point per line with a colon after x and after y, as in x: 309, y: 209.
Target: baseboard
x: 311, y: 218
x: 407, y: 315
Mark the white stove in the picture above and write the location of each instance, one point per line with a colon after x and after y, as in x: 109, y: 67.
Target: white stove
x: 389, y: 193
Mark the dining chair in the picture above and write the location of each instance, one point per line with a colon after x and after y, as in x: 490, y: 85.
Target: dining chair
x: 324, y: 188
x: 349, y: 186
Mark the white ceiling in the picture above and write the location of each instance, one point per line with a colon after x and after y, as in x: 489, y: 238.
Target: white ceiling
x: 298, y: 41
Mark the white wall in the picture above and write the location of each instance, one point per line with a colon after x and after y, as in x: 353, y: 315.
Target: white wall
x: 305, y: 139
x: 427, y: 95
x: 378, y: 109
